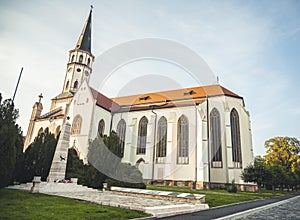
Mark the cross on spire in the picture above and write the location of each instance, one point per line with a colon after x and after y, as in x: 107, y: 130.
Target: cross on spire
x: 40, y: 97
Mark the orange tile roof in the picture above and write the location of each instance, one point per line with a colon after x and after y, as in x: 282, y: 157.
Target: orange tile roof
x: 103, y: 101
x: 165, y: 99
x: 175, y: 95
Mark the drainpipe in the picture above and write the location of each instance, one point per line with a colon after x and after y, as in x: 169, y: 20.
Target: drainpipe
x: 208, y: 140
x: 196, y: 145
x: 154, y: 140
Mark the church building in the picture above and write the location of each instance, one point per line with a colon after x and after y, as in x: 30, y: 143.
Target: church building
x: 199, y: 135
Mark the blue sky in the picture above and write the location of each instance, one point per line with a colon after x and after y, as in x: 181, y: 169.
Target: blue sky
x: 253, y: 46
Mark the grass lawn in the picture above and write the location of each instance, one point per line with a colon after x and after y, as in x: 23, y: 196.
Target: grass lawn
x: 16, y: 204
x: 218, y: 197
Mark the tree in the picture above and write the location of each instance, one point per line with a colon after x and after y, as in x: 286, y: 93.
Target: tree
x: 38, y: 156
x: 276, y: 176
x: 283, y: 157
x: 87, y: 175
x: 104, y: 165
x: 105, y: 155
x: 10, y: 133
x: 113, y: 143
x: 18, y: 174
x: 283, y: 151
x: 256, y: 172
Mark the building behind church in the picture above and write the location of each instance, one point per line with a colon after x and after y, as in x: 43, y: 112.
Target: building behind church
x: 198, y: 135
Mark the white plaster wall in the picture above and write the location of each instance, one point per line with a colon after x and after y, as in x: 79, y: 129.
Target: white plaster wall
x: 98, y: 114
x: 82, y: 104
x: 61, y: 103
x: 246, y: 138
x: 171, y: 170
x: 218, y: 175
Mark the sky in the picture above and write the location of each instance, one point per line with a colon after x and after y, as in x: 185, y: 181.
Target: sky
x: 252, y: 46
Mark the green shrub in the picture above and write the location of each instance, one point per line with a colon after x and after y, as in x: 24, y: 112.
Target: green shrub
x: 231, y: 187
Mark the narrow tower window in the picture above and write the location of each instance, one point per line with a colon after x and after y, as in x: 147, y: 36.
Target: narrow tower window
x: 40, y: 131
x: 142, y: 136
x: 89, y: 61
x: 80, y: 59
x: 67, y: 85
x: 73, y: 58
x: 75, y: 84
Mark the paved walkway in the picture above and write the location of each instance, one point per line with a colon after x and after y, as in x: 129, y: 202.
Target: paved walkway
x: 107, y: 198
x: 284, y: 207
x: 287, y: 209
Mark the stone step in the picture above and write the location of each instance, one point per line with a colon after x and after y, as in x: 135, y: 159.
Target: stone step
x: 164, y: 211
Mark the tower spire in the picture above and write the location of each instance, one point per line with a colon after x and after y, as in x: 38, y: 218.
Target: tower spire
x: 84, y: 41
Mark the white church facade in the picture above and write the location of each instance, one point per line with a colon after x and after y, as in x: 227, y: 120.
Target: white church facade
x: 199, y: 135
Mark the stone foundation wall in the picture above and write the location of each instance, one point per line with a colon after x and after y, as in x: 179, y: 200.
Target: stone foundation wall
x: 203, y: 185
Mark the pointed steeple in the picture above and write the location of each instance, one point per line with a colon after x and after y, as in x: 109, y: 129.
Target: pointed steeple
x: 84, y: 41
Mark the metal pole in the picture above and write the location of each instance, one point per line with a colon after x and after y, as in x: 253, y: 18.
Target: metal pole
x: 196, y: 145
x: 17, y: 84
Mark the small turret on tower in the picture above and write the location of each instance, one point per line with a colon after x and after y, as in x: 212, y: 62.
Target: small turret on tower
x: 37, y: 109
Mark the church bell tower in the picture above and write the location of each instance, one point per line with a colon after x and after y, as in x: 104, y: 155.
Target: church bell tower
x: 79, y: 67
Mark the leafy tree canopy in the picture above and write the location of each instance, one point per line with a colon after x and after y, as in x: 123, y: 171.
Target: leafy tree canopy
x: 283, y: 151
x: 38, y: 156
x: 10, y: 140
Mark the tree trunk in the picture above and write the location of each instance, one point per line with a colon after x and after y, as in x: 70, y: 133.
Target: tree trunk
x: 259, y: 190
x: 273, y: 190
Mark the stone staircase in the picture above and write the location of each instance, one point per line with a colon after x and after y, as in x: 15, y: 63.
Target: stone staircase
x: 171, y: 210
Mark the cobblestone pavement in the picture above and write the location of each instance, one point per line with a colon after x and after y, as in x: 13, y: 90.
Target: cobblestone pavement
x: 287, y: 209
x: 107, y: 198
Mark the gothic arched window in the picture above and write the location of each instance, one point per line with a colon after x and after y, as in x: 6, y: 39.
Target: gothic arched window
x: 76, y: 125
x: 215, y: 138
x: 235, y: 139
x: 89, y: 61
x: 121, y: 132
x: 161, y: 137
x: 80, y: 59
x: 101, y: 126
x: 183, y: 140
x: 142, y: 136
x: 75, y: 84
